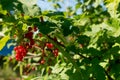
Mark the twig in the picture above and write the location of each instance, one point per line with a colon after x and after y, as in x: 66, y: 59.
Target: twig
x: 56, y: 41
x: 109, y: 77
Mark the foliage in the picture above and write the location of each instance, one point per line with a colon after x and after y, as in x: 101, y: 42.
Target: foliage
x: 62, y: 45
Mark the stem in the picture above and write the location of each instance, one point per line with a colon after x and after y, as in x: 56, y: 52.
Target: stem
x: 56, y: 41
x: 83, y: 56
x: 109, y: 77
x: 27, y: 57
x: 21, y: 70
x: 31, y: 56
x: 64, y: 46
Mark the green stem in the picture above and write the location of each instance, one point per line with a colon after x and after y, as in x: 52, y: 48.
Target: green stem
x: 21, y: 70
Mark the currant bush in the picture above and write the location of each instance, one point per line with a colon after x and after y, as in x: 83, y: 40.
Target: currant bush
x: 33, y: 42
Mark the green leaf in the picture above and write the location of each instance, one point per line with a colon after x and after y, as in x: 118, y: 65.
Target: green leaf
x: 115, y: 71
x: 33, y: 20
x: 83, y: 39
x: 8, y: 4
x: 3, y: 41
x: 30, y: 7
x: 57, y: 6
x: 9, y: 19
x: 2, y: 11
x: 66, y: 26
x: 75, y: 75
x: 77, y: 5
x: 32, y: 11
x: 98, y: 72
x: 46, y: 27
x: 93, y: 52
x: 54, y: 14
x: 112, y: 6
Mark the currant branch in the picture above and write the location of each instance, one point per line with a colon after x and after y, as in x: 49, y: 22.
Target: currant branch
x: 56, y: 41
x: 66, y: 54
x: 109, y: 77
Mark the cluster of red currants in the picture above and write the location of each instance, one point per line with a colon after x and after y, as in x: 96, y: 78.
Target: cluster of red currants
x: 29, y: 36
x: 29, y: 43
x: 20, y: 52
x: 54, y: 51
x: 32, y: 43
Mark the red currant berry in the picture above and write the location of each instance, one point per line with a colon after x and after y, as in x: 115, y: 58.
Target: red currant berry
x: 17, y: 51
x: 15, y: 36
x: 49, y: 45
x: 29, y: 35
x: 20, y: 52
x: 42, y: 61
x: 55, y: 52
x: 28, y: 46
x: 10, y: 59
x: 22, y: 14
x: 30, y: 29
x: 55, y: 39
x: 26, y: 73
x: 33, y: 68
x: 19, y: 57
x: 81, y: 45
x: 28, y: 66
x: 35, y: 28
x: 20, y: 47
x: 32, y: 42
x: 15, y: 48
x: 40, y: 34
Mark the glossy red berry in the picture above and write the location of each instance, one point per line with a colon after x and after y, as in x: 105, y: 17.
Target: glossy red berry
x: 22, y: 14
x: 42, y: 61
x: 28, y: 66
x: 33, y: 68
x: 32, y: 42
x: 35, y: 28
x: 10, y: 59
x: 40, y: 35
x: 49, y: 45
x: 28, y: 46
x: 55, y: 39
x: 55, y: 52
x: 30, y: 29
x: 15, y: 48
x: 15, y: 36
x: 29, y: 35
x: 19, y: 57
x: 20, y: 52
